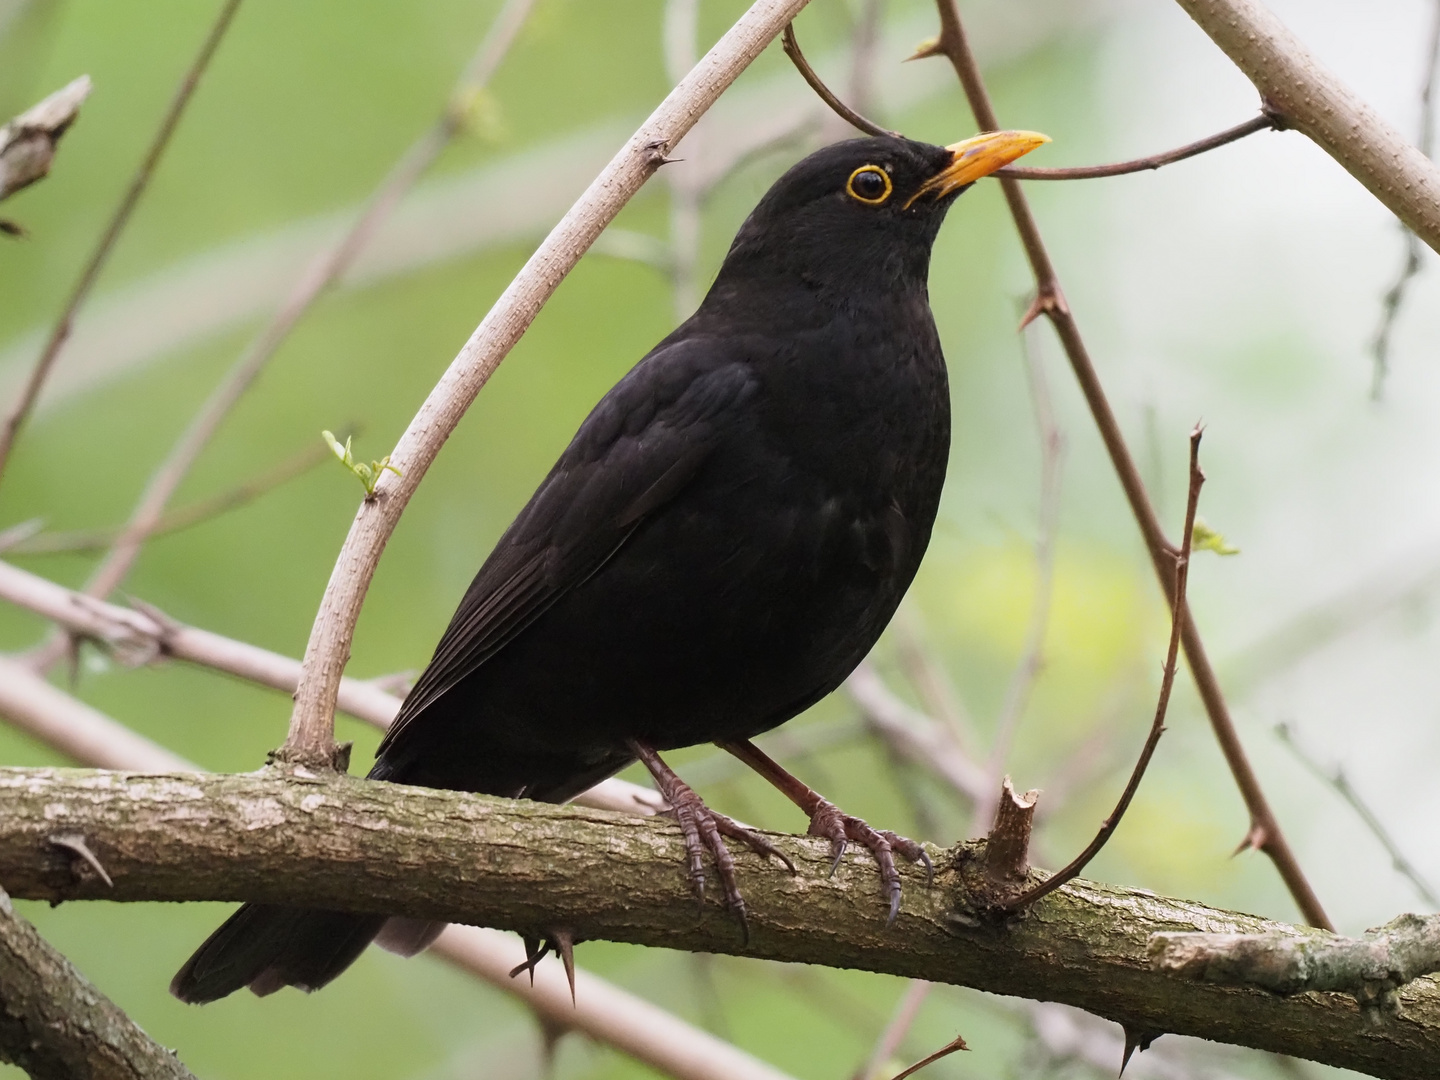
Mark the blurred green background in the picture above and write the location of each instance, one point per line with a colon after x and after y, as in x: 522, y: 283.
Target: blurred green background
x: 1241, y: 288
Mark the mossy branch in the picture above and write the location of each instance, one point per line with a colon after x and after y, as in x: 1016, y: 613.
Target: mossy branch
x: 346, y: 843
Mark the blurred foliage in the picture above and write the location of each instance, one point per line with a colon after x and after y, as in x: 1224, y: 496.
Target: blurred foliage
x: 305, y: 108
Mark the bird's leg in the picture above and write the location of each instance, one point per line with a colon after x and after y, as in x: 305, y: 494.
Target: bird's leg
x: 828, y: 821
x: 704, y: 828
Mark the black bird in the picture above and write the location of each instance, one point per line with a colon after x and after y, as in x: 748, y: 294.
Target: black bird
x: 720, y: 545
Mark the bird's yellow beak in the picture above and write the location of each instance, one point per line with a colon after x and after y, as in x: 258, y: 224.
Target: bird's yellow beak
x: 977, y: 157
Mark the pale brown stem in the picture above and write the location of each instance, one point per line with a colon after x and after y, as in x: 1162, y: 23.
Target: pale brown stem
x: 311, y: 738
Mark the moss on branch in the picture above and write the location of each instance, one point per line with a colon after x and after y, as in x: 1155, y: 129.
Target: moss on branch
x: 346, y: 843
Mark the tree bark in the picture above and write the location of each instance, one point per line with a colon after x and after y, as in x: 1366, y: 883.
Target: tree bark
x: 351, y: 844
x: 56, y: 1026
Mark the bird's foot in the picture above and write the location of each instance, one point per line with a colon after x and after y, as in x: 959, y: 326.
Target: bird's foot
x: 828, y: 821
x: 705, y: 829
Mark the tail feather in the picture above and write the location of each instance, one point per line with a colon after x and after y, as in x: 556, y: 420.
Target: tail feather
x: 266, y: 947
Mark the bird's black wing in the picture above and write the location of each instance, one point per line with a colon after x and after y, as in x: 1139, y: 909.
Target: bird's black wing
x: 639, y: 448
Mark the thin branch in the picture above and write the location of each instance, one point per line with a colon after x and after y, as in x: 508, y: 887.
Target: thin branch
x: 148, y: 514
x: 1337, y: 779
x: 845, y: 112
x: 27, y: 143
x: 1305, y: 95
x: 311, y: 737
x: 1263, y: 122
x: 1265, y: 832
x: 1162, y: 704
x: 520, y: 865
x: 88, y: 540
x: 57, y: 1026
x: 20, y: 410
x: 1410, y: 264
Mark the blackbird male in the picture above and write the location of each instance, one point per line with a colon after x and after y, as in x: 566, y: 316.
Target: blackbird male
x: 720, y: 545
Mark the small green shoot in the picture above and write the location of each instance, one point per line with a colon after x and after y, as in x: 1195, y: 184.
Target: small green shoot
x: 1204, y: 538
x: 369, y: 475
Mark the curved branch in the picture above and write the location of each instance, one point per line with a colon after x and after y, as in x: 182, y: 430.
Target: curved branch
x: 845, y: 112
x: 311, y: 739
x: 529, y: 866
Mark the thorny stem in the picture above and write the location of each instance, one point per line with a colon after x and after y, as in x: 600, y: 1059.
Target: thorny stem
x: 1265, y: 832
x: 1410, y: 264
x: 1157, y: 726
x: 20, y: 411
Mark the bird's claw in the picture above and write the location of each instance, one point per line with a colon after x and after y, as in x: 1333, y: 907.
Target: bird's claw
x: 705, y: 829
x: 830, y: 823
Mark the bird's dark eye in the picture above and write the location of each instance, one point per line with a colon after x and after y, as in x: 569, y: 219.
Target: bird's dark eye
x: 870, y: 184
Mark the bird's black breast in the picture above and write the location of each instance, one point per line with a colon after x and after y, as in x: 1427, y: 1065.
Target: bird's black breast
x: 723, y: 541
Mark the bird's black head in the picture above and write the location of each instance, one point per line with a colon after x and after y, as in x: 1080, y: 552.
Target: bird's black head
x: 862, y: 213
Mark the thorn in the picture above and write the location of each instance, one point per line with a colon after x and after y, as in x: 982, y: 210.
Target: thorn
x: 1135, y: 1040
x: 75, y: 844
x: 534, y: 953
x: 926, y: 49
x: 563, y: 942
x: 1255, y: 839
x: 13, y: 228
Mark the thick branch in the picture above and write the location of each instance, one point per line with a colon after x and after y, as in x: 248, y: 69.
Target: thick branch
x: 27, y: 143
x: 527, y: 866
x: 311, y: 739
x: 1311, y: 99
x: 1371, y: 968
x: 56, y: 1026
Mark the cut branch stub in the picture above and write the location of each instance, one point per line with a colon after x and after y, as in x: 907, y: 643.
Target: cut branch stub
x: 1007, y: 850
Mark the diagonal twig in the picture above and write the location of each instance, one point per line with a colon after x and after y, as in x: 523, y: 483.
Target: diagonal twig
x: 15, y: 417
x: 1162, y: 704
x: 1265, y: 833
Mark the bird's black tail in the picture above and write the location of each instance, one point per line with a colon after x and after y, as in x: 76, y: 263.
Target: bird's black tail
x: 266, y: 947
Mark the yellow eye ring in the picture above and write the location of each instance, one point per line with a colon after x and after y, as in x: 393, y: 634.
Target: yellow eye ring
x: 868, y: 171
